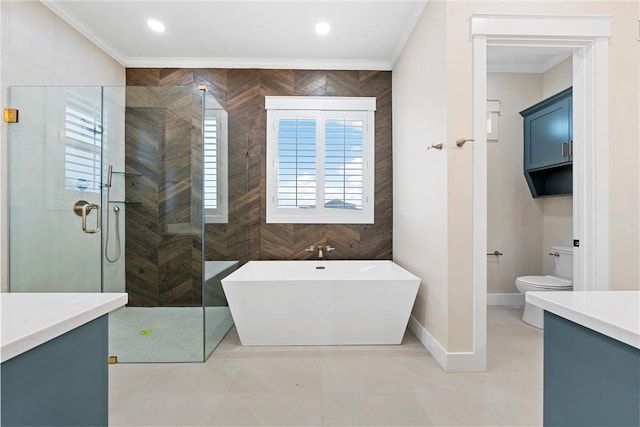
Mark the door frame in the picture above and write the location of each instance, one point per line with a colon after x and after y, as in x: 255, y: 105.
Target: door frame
x: 587, y: 37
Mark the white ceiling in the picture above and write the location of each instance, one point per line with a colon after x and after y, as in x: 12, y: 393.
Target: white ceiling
x: 365, y: 34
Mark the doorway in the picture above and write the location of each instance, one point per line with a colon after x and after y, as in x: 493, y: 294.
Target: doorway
x: 523, y: 223
x: 587, y: 39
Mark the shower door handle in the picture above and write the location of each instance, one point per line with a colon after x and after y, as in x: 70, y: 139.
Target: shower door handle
x: 82, y: 208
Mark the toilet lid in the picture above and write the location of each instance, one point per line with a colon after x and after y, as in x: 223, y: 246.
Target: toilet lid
x: 545, y: 282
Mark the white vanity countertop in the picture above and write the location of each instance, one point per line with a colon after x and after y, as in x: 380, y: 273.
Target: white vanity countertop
x: 612, y: 313
x: 31, y: 319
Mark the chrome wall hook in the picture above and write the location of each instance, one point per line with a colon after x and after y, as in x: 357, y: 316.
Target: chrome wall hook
x: 462, y: 141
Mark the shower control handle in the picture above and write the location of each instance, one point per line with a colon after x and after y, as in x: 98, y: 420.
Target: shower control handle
x: 82, y: 208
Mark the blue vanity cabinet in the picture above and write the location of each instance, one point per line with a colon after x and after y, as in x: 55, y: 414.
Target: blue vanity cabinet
x: 53, y: 354
x: 590, y: 379
x: 63, y: 382
x: 548, y: 145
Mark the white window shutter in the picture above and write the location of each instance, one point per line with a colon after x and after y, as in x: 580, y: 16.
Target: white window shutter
x: 83, y: 143
x: 320, y: 160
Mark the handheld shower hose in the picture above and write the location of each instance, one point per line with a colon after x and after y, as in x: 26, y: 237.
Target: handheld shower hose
x: 116, y: 210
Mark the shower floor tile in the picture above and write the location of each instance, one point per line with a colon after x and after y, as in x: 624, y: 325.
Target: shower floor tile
x: 165, y: 334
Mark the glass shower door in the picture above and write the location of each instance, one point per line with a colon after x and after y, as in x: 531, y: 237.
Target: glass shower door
x: 55, y: 163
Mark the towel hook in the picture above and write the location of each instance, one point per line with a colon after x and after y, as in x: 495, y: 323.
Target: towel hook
x: 462, y: 141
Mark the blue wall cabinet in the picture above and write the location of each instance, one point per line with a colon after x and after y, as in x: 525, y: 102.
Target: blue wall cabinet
x: 548, y: 145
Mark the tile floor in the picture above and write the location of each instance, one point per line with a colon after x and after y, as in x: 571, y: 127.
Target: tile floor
x: 173, y: 334
x: 337, y: 386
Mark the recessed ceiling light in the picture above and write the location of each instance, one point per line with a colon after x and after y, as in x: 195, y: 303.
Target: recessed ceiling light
x: 323, y: 28
x: 156, y: 25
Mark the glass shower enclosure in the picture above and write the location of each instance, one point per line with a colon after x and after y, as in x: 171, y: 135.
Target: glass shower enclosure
x: 108, y: 188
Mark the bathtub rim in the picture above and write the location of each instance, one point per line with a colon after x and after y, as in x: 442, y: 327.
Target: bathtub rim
x: 242, y: 275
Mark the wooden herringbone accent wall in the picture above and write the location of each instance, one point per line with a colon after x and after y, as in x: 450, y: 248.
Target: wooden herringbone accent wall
x: 163, y: 145
x: 247, y: 236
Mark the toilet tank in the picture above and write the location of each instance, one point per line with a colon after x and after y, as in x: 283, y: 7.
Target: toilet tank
x: 563, y: 263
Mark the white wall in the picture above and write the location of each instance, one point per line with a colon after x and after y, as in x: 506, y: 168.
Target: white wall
x: 420, y: 175
x: 624, y: 69
x: 459, y: 192
x: 514, y: 217
x: 558, y: 78
x: 418, y: 76
x: 40, y: 49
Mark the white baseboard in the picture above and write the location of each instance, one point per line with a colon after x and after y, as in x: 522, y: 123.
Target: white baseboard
x: 430, y: 343
x: 448, y: 361
x: 505, y: 299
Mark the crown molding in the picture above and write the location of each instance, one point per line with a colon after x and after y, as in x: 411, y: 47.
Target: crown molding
x: 414, y: 16
x: 261, y: 63
x: 83, y: 29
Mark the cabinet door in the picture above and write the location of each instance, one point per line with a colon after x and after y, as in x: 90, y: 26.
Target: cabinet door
x: 548, y: 135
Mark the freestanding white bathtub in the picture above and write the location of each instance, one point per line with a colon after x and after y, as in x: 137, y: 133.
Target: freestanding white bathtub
x: 320, y: 302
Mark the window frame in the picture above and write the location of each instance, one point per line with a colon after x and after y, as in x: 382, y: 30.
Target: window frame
x: 321, y: 107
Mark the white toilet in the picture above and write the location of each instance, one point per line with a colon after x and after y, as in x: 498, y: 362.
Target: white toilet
x: 561, y: 280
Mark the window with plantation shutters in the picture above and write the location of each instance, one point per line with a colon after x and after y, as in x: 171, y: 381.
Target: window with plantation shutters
x: 320, y: 160
x: 296, y: 162
x: 83, y: 141
x: 211, y: 164
x: 215, y: 168
x: 343, y: 163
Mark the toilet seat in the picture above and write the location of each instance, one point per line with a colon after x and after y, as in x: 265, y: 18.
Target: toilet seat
x: 545, y: 282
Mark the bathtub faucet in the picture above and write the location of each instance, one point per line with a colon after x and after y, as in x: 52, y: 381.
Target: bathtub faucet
x: 327, y: 248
